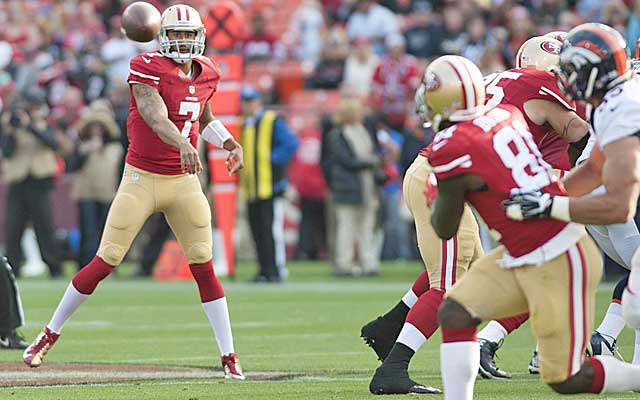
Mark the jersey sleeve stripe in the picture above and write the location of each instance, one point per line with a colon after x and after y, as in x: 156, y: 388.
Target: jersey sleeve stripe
x: 140, y: 74
x: 560, y: 99
x: 463, y: 162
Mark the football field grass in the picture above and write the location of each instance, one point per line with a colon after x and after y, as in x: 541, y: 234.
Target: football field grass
x: 298, y: 340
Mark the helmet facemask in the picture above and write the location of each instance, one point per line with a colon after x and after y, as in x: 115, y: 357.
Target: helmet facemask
x: 172, y: 48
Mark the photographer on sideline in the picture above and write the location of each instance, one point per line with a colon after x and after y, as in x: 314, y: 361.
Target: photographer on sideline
x: 29, y: 150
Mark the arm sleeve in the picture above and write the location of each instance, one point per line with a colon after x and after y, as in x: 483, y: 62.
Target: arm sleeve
x: 142, y: 69
x: 285, y: 142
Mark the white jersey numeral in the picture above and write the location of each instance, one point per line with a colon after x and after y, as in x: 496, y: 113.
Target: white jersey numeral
x: 519, y: 153
x: 187, y: 107
x: 497, y: 92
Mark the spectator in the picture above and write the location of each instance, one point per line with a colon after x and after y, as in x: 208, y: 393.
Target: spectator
x: 305, y: 32
x: 394, y: 83
x: 329, y: 72
x: 268, y: 145
x: 477, y: 41
x: 452, y: 36
x: 29, y: 149
x: 306, y: 177
x: 354, y: 167
x: 261, y: 45
x: 117, y: 51
x: 359, y: 68
x: 372, y: 21
x: 95, y: 162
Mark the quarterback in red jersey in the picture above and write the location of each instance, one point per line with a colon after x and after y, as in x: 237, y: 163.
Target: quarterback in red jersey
x: 170, y: 94
x: 480, y: 158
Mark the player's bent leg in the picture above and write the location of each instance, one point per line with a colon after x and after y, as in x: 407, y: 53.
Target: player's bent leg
x: 381, y: 333
x: 603, y: 340
x: 392, y: 377
x: 189, y: 216
x: 631, y: 295
x: 464, y: 307
x: 490, y: 339
x: 131, y: 207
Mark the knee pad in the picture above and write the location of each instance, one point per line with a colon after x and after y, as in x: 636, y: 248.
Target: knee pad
x: 631, y: 309
x: 111, y: 253
x: 199, y: 253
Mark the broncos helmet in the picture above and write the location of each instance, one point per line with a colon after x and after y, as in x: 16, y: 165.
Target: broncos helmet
x: 593, y: 60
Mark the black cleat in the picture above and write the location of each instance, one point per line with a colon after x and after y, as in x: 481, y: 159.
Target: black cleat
x: 380, y: 336
x: 488, y: 368
x: 601, y: 345
x: 392, y: 380
x: 13, y: 341
x: 534, y: 364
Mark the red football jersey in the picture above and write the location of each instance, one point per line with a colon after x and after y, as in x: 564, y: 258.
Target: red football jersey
x: 498, y: 147
x: 515, y: 87
x: 185, y: 99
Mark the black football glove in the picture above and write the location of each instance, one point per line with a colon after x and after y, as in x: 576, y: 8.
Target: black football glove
x: 528, y: 204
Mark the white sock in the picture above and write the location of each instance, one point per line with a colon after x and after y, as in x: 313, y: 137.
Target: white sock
x: 410, y: 298
x: 70, y: 302
x: 613, y: 322
x: 218, y: 315
x: 493, y: 332
x: 411, y: 337
x: 619, y: 376
x: 636, y: 349
x: 459, y: 363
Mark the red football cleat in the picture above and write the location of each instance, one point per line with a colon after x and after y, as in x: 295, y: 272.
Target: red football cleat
x: 231, y: 367
x: 34, y: 354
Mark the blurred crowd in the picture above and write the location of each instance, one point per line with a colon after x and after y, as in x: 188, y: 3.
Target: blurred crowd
x: 63, y: 70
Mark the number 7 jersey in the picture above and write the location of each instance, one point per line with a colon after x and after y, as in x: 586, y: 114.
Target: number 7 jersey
x: 185, y: 98
x: 498, y: 147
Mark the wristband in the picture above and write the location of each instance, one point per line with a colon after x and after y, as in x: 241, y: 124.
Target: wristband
x: 560, y: 208
x: 216, y: 133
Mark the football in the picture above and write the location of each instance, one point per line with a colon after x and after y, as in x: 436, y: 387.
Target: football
x: 141, y: 21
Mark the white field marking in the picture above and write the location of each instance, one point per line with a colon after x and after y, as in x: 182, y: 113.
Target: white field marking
x: 318, y: 287
x: 249, y: 356
x: 99, y: 324
x: 199, y: 338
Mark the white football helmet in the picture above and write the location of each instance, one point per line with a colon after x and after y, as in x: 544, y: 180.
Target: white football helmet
x: 181, y: 17
x: 539, y: 52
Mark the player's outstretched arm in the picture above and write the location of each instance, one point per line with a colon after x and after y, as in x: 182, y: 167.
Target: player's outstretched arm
x: 214, y: 132
x: 447, y: 208
x: 621, y: 178
x: 154, y: 112
x: 586, y: 177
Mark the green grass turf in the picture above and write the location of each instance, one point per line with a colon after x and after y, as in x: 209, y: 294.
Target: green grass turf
x: 308, y: 325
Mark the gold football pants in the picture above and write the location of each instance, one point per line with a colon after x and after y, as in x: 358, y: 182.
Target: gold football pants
x: 178, y: 197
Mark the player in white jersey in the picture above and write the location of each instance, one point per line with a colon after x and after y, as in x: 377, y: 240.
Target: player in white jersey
x: 619, y: 242
x: 594, y: 68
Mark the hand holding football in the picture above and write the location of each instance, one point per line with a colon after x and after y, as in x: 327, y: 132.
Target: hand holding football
x: 141, y: 21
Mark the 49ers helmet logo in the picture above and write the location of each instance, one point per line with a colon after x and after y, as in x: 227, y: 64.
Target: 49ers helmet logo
x: 550, y: 47
x: 432, y: 82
